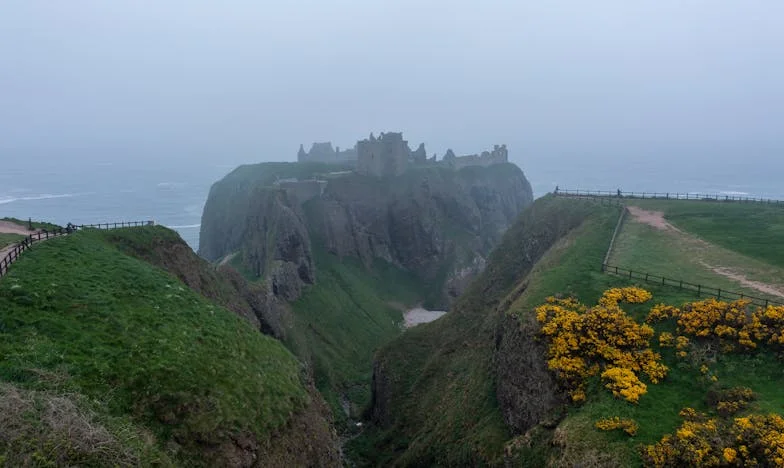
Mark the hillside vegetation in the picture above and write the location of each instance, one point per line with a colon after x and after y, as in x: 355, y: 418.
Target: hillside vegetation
x: 165, y: 375
x: 434, y: 394
x: 340, y: 322
x: 346, y: 264
x: 475, y: 388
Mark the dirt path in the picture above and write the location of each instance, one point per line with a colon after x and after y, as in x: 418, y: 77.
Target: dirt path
x: 7, y: 227
x: 651, y: 218
x: 699, y: 249
x: 759, y: 286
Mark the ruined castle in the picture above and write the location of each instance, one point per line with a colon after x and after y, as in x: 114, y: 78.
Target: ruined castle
x: 499, y: 155
x: 390, y: 155
x: 323, y: 152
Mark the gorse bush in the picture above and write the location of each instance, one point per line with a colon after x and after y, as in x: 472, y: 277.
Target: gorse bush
x: 628, y: 426
x: 733, y: 325
x: 755, y: 440
x: 584, y: 342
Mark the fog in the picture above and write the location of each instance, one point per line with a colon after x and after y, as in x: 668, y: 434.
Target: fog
x: 249, y: 80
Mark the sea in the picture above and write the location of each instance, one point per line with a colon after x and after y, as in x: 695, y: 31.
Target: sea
x: 172, y: 192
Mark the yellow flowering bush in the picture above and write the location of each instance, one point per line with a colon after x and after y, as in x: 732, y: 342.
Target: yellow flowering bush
x: 632, y: 295
x: 661, y: 312
x: 624, y: 383
x: 583, y: 341
x: 666, y: 340
x: 735, y: 325
x: 628, y: 426
x: 755, y: 440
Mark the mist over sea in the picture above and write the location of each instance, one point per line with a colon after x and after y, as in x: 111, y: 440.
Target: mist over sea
x: 62, y: 189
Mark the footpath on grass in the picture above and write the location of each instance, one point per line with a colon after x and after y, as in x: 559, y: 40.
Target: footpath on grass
x: 711, y: 270
x: 11, y: 253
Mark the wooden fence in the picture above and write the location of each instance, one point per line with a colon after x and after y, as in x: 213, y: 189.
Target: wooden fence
x: 27, y: 243
x: 680, y: 284
x: 664, y: 196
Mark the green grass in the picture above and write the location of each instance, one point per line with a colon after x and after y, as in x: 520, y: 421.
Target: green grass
x: 751, y: 229
x: 678, y: 256
x: 344, y: 318
x: 78, y: 316
x: 442, y: 404
x: 8, y: 239
x: 36, y: 224
x: 570, y: 268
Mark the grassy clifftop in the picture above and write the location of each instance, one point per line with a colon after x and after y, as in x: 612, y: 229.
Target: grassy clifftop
x: 170, y: 376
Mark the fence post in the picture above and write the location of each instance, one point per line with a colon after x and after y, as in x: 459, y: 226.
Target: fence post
x: 719, y: 295
x: 699, y: 289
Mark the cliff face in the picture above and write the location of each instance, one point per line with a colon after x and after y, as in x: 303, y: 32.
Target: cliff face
x: 479, y: 374
x: 436, y: 222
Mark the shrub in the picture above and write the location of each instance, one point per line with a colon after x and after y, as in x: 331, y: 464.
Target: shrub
x: 628, y: 426
x: 755, y: 440
x: 583, y: 342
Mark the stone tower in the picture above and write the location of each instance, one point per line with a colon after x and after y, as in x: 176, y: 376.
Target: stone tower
x: 386, y: 155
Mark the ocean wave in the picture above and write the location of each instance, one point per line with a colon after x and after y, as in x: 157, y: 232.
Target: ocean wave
x: 45, y: 196
x: 185, y: 226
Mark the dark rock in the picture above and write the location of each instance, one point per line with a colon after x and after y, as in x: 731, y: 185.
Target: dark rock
x: 527, y: 391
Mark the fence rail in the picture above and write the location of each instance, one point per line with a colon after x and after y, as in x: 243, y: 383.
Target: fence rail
x: 619, y: 194
x: 698, y: 288
x: 44, y: 234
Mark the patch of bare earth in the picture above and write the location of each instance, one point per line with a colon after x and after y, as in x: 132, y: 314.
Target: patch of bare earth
x: 8, y: 227
x: 651, y: 218
x: 758, y: 285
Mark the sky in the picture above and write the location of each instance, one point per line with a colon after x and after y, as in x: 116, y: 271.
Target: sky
x: 241, y: 81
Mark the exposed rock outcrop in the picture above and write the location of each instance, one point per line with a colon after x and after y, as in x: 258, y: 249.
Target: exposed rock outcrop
x: 433, y: 221
x: 527, y: 391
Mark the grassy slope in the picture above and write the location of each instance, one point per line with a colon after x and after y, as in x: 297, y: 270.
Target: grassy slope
x: 8, y: 239
x: 77, y: 316
x: 675, y: 255
x: 443, y: 405
x: 747, y: 228
x: 565, y: 270
x: 341, y: 320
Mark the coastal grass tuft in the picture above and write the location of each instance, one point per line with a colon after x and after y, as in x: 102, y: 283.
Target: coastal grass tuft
x: 78, y: 316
